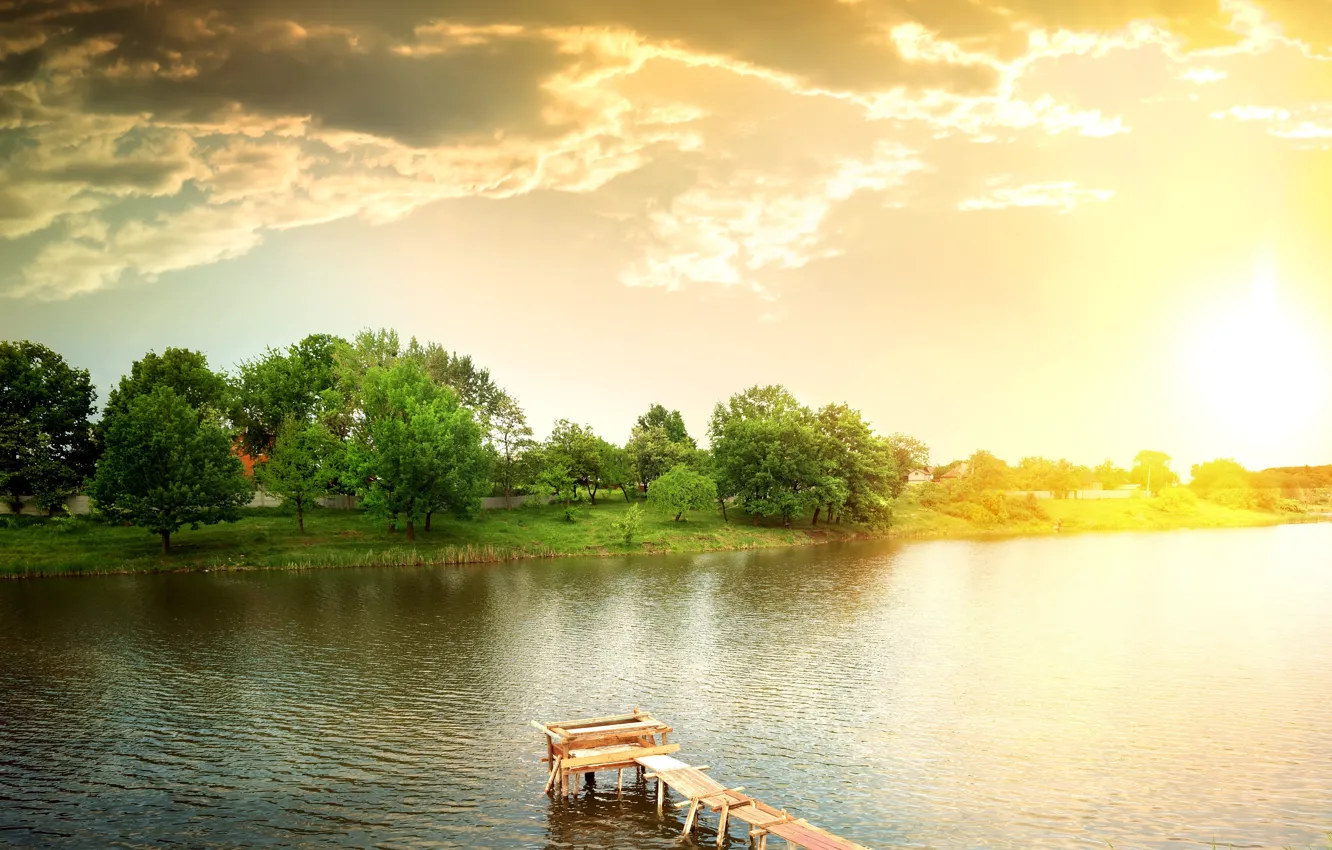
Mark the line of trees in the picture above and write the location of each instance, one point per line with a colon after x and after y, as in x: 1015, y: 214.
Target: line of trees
x: 412, y: 430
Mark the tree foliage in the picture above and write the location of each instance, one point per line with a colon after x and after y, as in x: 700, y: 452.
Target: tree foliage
x: 1219, y: 474
x: 184, y: 371
x: 571, y: 458
x: 766, y: 451
x: 301, y: 465
x: 1152, y: 471
x: 670, y: 421
x: 681, y: 490
x: 860, y: 472
x: 1110, y: 476
x: 416, y: 450
x: 510, y: 439
x: 296, y: 384
x: 166, y: 466
x: 47, y: 447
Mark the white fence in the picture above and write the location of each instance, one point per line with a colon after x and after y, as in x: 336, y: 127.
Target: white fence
x: 74, y: 504
x: 1082, y: 494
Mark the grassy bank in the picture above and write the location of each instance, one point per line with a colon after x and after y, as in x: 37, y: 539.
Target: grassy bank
x: 268, y: 538
x: 1077, y: 515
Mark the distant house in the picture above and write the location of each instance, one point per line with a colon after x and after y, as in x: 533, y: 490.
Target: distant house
x: 920, y: 476
x: 962, y: 470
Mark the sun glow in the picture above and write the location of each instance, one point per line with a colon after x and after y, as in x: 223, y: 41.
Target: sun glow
x: 1253, y: 371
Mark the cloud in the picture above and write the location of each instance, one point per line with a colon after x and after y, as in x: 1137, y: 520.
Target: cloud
x: 731, y: 230
x: 1064, y: 197
x: 142, y: 138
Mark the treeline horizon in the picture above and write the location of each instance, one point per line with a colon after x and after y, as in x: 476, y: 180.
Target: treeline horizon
x: 413, y: 429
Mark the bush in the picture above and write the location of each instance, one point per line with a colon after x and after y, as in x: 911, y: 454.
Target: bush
x: 1176, y: 500
x: 630, y: 525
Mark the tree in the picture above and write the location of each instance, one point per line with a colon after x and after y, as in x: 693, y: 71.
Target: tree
x: 572, y: 458
x: 416, y: 450
x: 511, y: 437
x: 681, y: 490
x: 616, y: 468
x: 908, y: 454
x: 1110, y: 476
x: 860, y: 471
x: 1220, y: 474
x: 670, y: 421
x: 185, y: 372
x: 298, y: 383
x: 1152, y: 471
x: 653, y: 452
x: 766, y: 451
x: 165, y: 466
x: 47, y: 447
x: 301, y: 464
x: 988, y: 472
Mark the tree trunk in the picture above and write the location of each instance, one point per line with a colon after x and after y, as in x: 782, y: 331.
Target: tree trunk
x: 591, y: 493
x: 300, y: 516
x: 722, y: 502
x: 817, y: 511
x: 830, y: 513
x: 429, y: 514
x: 508, y: 499
x: 411, y: 530
x: 625, y: 491
x: 754, y: 517
x: 677, y: 516
x: 166, y: 542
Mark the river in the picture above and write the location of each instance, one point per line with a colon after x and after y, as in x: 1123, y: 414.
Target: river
x: 1146, y: 690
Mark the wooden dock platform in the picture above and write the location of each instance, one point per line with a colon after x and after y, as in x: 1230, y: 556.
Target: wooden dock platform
x: 638, y: 740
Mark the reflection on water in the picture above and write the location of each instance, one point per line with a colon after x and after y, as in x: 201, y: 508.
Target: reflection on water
x: 1158, y: 690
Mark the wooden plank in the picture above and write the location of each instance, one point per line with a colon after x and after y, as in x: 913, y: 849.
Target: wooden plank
x: 595, y: 721
x: 640, y: 727
x: 631, y: 755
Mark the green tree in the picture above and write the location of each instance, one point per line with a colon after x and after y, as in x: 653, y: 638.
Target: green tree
x: 416, y: 450
x: 185, y: 372
x: 908, y: 453
x: 47, y: 447
x: 988, y: 472
x: 298, y: 383
x: 572, y: 456
x: 616, y: 468
x: 511, y: 437
x: 1152, y: 471
x: 860, y: 471
x: 681, y: 490
x: 1220, y: 474
x: 652, y: 452
x: 301, y: 465
x: 766, y: 452
x: 1110, y: 476
x: 630, y: 524
x: 165, y: 466
x: 670, y: 421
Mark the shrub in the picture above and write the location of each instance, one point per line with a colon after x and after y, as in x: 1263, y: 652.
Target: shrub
x: 630, y: 524
x: 1176, y: 500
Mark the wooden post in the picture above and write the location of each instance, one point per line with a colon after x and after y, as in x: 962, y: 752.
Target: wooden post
x: 619, y: 780
x: 721, y: 827
x: 689, y: 821
x: 661, y: 794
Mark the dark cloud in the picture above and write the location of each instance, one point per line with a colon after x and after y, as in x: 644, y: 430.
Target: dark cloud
x: 20, y: 67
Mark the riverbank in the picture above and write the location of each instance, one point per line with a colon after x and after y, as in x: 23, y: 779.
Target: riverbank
x: 269, y: 538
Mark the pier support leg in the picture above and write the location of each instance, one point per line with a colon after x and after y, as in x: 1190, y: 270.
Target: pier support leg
x: 721, y: 827
x: 689, y: 821
x: 619, y: 780
x: 661, y: 795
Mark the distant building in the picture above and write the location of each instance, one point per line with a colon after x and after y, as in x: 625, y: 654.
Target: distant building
x: 962, y: 470
x: 920, y: 476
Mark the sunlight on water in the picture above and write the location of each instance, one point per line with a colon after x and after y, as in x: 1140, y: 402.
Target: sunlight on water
x: 1156, y: 691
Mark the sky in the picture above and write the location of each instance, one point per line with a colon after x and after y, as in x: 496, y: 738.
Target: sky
x: 1039, y: 228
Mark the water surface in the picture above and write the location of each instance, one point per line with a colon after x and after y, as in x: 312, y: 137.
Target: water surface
x: 1150, y: 690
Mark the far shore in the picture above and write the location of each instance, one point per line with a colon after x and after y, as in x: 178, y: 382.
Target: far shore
x: 268, y: 539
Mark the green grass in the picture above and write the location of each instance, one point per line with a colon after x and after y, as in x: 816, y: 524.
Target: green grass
x: 269, y: 538
x: 1074, y: 515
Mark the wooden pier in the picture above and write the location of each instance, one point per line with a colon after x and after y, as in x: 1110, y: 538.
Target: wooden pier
x: 637, y: 740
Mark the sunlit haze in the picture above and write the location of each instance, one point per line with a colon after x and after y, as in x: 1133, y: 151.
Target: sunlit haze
x: 1039, y: 228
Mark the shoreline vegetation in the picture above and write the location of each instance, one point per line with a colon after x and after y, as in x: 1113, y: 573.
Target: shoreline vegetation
x: 268, y: 538
x: 420, y: 435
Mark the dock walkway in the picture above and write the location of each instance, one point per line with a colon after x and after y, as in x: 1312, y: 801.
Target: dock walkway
x: 638, y: 740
